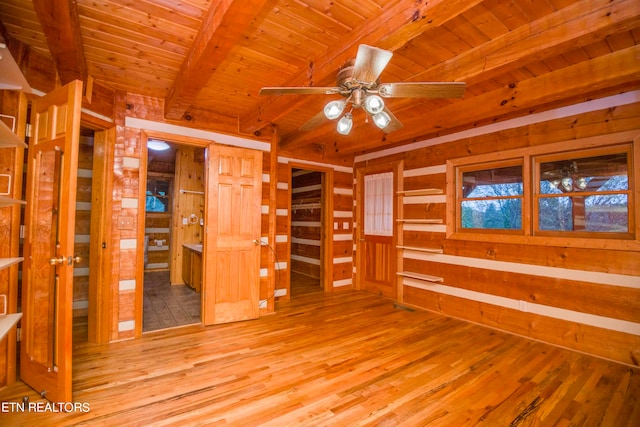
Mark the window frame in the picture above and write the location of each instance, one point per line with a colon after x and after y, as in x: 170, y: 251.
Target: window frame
x: 606, y: 144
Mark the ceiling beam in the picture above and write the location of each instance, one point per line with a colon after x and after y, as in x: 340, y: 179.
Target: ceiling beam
x: 399, y: 22
x: 222, y: 26
x: 61, y: 25
x: 569, y: 84
x: 575, y: 25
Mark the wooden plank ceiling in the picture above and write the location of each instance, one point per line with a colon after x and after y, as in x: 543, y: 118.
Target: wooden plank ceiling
x: 204, y: 56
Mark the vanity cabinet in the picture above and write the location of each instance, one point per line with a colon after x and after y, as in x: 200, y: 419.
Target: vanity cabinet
x: 192, y: 266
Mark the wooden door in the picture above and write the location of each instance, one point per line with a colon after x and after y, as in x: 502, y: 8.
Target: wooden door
x: 231, y: 270
x: 376, y: 246
x: 47, y: 279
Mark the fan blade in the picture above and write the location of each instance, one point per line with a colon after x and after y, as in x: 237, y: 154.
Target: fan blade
x: 314, y: 122
x: 422, y: 90
x: 394, y: 124
x: 299, y: 90
x: 370, y: 63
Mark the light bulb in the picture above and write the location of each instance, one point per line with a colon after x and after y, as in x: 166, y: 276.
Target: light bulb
x: 333, y: 109
x: 567, y: 183
x: 345, y: 124
x: 373, y: 104
x: 381, y: 119
x: 581, y: 183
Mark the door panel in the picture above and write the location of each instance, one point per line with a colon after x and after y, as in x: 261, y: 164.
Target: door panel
x: 231, y: 276
x: 376, y: 252
x: 47, y: 280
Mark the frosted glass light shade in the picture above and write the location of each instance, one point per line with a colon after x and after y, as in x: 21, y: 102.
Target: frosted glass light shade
x: 345, y: 124
x: 373, y: 104
x: 333, y: 109
x: 381, y: 119
x: 157, y: 145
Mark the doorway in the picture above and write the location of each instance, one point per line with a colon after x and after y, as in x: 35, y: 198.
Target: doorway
x: 173, y: 230
x: 308, y: 230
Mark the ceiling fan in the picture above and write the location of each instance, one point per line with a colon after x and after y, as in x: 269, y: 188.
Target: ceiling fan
x: 358, y: 83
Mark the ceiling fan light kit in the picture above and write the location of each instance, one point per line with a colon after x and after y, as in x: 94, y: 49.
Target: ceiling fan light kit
x: 358, y: 83
x: 333, y: 109
x: 345, y: 124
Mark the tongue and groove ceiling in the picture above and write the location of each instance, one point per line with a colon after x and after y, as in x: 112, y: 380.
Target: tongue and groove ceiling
x: 212, y: 57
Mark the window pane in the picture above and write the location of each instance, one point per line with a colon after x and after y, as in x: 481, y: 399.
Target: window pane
x: 378, y: 204
x: 496, y: 182
x: 600, y: 213
x: 503, y: 214
x: 599, y: 173
x: 492, y: 198
x: 607, y: 213
x: 555, y: 214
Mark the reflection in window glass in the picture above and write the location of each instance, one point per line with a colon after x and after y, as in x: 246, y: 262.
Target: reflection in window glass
x: 492, y: 198
x: 584, y: 194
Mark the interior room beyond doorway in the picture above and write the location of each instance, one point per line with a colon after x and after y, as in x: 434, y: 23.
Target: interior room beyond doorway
x: 174, y: 220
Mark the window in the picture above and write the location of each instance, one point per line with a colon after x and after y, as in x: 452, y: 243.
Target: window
x: 578, y: 193
x: 378, y: 204
x: 158, y: 194
x: 492, y: 198
x: 583, y: 192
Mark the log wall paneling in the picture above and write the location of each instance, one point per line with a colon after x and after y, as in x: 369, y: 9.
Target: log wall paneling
x: 579, y: 298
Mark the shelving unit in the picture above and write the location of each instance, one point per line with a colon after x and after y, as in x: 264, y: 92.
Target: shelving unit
x: 402, y: 221
x: 8, y: 139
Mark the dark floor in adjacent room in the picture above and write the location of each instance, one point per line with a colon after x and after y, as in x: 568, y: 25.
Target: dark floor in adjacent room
x: 166, y: 305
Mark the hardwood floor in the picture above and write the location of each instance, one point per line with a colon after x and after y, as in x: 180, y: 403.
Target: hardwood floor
x: 343, y: 359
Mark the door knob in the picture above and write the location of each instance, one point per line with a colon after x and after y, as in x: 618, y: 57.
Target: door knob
x: 56, y: 261
x: 77, y: 259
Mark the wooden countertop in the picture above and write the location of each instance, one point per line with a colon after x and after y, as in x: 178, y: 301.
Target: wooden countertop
x: 195, y: 247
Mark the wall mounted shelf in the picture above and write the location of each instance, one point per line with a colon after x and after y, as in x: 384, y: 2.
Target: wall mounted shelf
x: 9, y: 139
x: 425, y: 277
x: 413, y: 248
x: 419, y: 221
x: 421, y: 192
x: 9, y: 201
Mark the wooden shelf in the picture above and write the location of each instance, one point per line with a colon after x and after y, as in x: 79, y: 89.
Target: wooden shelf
x: 7, y: 322
x: 425, y: 277
x: 8, y: 138
x: 429, y: 250
x: 420, y: 221
x: 421, y: 192
x: 8, y: 201
x: 8, y: 262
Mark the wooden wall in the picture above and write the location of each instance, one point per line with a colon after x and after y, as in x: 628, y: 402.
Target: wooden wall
x: 583, y: 299
x: 306, y: 222
x: 187, y: 206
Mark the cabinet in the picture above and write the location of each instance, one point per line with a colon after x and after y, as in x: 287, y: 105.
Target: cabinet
x: 192, y: 266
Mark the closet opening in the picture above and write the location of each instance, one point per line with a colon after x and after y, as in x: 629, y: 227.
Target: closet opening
x: 308, y: 231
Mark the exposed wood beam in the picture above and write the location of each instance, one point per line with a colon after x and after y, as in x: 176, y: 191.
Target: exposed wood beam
x: 398, y: 23
x: 61, y: 25
x: 222, y: 26
x: 548, y: 37
x: 568, y: 83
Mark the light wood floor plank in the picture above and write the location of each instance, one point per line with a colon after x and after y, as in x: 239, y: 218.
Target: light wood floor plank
x: 348, y: 358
